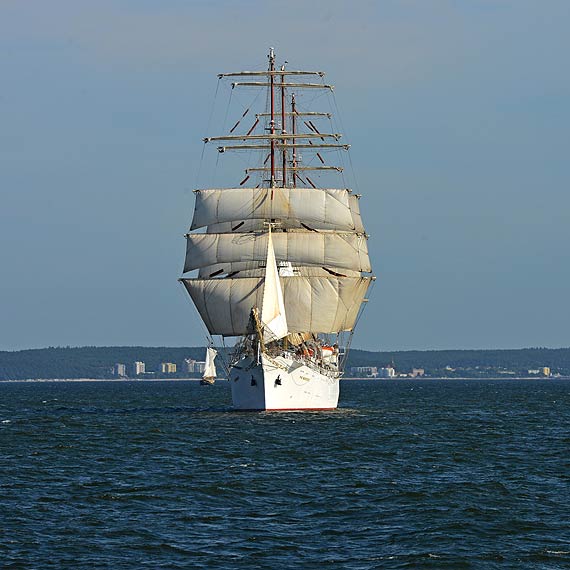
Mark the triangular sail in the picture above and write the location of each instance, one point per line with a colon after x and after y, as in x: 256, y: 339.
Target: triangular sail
x: 272, y: 309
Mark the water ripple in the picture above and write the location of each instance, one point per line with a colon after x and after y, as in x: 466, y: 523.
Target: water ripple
x: 407, y: 474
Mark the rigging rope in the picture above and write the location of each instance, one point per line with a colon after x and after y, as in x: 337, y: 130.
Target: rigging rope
x: 344, y: 131
x: 199, y: 172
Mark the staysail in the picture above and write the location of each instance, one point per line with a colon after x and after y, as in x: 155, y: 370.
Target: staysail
x: 272, y: 307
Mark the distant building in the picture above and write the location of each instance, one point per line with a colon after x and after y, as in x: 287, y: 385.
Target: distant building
x: 194, y: 366
x: 189, y: 365
x: 545, y: 371
x: 364, y: 371
x: 168, y: 368
x: 417, y: 372
x: 387, y: 372
x: 139, y: 368
x: 120, y: 370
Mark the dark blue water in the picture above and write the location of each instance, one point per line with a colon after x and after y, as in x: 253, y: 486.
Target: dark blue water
x: 407, y: 474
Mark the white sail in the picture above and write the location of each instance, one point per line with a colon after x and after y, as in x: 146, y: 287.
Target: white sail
x: 329, y: 249
x: 272, y: 308
x: 332, y: 209
x: 354, y: 202
x: 316, y: 304
x: 210, y: 368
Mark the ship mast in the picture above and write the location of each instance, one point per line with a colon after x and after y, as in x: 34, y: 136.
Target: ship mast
x: 272, y: 122
x: 281, y: 144
x: 294, y: 132
x: 283, y: 127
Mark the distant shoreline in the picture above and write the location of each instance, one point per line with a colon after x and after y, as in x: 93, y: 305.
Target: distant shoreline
x: 116, y: 380
x: 222, y: 380
x: 100, y: 362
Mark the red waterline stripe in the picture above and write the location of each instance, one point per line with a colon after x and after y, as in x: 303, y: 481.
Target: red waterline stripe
x: 284, y: 409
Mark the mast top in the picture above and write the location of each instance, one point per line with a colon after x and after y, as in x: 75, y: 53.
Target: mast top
x: 271, y: 71
x: 275, y: 138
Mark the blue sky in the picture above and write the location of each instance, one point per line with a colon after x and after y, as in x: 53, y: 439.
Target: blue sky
x: 458, y: 116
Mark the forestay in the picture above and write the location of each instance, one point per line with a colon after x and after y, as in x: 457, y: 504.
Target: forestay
x: 273, y: 314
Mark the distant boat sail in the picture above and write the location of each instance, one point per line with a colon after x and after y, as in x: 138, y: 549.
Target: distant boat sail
x: 209, y: 376
x: 282, y: 266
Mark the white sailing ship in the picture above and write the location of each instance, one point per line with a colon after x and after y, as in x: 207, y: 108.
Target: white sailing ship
x: 282, y: 266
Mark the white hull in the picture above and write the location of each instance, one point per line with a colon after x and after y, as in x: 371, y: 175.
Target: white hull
x: 282, y: 383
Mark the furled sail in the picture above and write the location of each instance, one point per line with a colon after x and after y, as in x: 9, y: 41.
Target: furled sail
x: 321, y: 209
x: 316, y: 304
x: 273, y: 314
x: 329, y: 249
x: 210, y: 368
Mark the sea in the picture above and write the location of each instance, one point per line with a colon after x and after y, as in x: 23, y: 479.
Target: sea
x: 405, y: 474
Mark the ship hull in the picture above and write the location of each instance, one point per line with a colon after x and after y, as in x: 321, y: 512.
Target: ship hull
x: 282, y: 383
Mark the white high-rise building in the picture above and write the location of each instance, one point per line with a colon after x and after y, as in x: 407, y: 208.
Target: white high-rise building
x: 120, y: 370
x: 189, y: 364
x: 387, y: 372
x: 139, y: 368
x: 365, y: 371
x: 194, y: 366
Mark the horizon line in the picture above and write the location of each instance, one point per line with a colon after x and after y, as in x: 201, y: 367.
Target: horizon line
x: 69, y: 347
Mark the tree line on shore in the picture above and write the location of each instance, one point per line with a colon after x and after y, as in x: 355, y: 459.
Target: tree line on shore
x: 98, y: 362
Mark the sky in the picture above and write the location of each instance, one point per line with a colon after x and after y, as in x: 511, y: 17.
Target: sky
x: 457, y: 113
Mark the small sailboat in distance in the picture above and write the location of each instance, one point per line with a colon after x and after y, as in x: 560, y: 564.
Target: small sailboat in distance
x: 209, y: 376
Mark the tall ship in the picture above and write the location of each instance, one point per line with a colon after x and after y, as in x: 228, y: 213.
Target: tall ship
x: 277, y: 264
